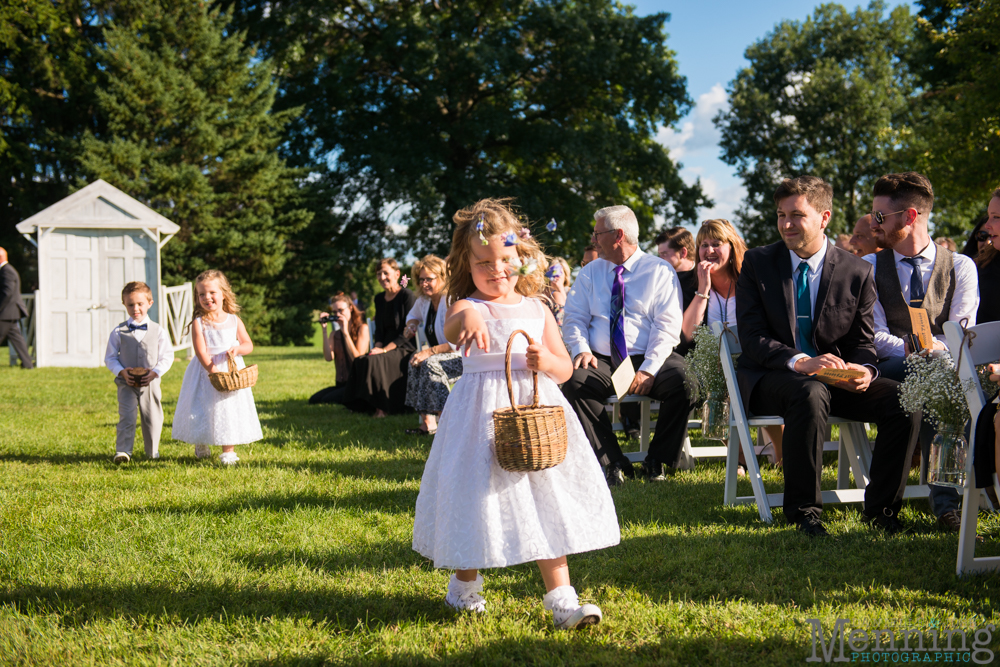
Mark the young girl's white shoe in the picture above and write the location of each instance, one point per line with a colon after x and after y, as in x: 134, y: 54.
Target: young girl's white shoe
x: 228, y: 458
x: 567, y: 613
x: 202, y: 451
x: 465, y: 595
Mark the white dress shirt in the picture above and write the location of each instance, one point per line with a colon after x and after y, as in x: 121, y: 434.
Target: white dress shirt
x: 964, y: 302
x: 652, y: 307
x: 815, y: 274
x: 419, y: 313
x: 164, y: 349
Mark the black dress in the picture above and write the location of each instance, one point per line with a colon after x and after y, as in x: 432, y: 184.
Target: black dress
x: 989, y: 293
x: 378, y: 381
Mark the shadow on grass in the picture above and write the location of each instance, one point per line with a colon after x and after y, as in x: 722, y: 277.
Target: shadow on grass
x: 400, y: 469
x: 401, y: 501
x: 77, y: 606
x: 61, y: 459
x: 373, y: 556
x: 585, y: 647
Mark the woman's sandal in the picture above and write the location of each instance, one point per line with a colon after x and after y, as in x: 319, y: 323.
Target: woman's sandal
x: 419, y: 431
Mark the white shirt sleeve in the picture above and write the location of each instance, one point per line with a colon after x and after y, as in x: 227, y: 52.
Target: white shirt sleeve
x: 165, y: 353
x: 419, y: 310
x: 965, y: 300
x: 111, y: 354
x: 665, y: 328
x: 576, y: 314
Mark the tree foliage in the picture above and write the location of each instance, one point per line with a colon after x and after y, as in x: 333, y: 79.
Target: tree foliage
x: 829, y: 96
x: 191, y: 134
x: 420, y: 108
x: 957, y: 137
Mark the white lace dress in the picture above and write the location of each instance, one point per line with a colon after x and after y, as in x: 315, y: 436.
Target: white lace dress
x: 471, y: 513
x: 205, y: 415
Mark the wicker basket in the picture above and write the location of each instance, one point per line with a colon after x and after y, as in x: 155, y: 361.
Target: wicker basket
x: 528, y: 437
x: 234, y: 379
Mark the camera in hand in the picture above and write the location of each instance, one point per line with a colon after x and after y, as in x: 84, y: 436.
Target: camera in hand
x: 324, y: 317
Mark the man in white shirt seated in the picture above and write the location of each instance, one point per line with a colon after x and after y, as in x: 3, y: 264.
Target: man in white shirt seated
x: 626, y: 304
x: 913, y: 271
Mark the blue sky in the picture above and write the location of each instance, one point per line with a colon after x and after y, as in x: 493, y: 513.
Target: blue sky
x: 709, y: 37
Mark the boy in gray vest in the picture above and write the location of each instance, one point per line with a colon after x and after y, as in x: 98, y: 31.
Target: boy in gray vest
x: 138, y: 342
x: 912, y: 271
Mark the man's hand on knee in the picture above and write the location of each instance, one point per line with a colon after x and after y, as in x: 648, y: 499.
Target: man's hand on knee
x: 642, y: 384
x: 585, y: 360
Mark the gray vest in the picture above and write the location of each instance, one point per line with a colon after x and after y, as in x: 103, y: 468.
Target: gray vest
x: 132, y: 353
x: 937, y: 300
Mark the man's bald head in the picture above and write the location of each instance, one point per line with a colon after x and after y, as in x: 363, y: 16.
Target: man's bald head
x: 863, y: 239
x: 3, y: 255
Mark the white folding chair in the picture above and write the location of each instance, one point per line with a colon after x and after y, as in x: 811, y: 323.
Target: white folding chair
x: 853, y: 447
x: 371, y: 334
x: 983, y: 348
x: 420, y: 339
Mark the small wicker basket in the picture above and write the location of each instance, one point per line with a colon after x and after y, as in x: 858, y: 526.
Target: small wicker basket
x: 528, y: 437
x: 234, y: 379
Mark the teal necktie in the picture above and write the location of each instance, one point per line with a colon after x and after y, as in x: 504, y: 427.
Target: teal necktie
x: 803, y: 311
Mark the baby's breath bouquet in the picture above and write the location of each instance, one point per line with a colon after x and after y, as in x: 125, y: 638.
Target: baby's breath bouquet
x: 932, y: 385
x: 702, y: 369
x: 705, y: 380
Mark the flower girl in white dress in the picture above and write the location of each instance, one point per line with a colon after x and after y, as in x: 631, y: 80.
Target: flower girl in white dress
x: 206, y: 416
x: 471, y: 513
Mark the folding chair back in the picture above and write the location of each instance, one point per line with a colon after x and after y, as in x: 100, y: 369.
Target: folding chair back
x: 371, y: 334
x: 969, y: 352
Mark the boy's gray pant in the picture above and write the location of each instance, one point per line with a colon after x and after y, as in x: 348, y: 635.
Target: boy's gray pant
x: 147, y: 401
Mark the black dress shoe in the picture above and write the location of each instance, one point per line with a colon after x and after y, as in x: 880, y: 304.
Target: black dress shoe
x: 812, y: 526
x: 656, y: 472
x: 889, y: 524
x: 633, y: 433
x: 616, y: 473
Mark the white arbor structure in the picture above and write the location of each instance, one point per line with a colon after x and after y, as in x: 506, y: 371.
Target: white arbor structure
x: 89, y: 245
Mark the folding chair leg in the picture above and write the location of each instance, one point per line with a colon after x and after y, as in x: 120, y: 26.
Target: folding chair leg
x: 853, y: 447
x: 843, y: 465
x: 967, y: 533
x: 644, y: 418
x: 732, y: 460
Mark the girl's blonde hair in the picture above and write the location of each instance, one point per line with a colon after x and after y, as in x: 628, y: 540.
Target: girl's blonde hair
x: 229, y: 304
x: 431, y: 263
x: 498, y: 218
x: 723, y: 230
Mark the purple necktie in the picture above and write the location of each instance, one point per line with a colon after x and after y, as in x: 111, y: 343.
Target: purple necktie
x: 619, y: 350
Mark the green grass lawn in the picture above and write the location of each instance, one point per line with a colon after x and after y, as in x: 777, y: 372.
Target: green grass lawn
x: 300, y: 554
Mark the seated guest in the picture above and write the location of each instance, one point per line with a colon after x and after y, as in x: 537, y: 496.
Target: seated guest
x: 626, y: 304
x: 989, y: 268
x: 862, y: 240
x: 676, y: 247
x: 431, y: 370
x: 946, y: 242
x: 844, y: 243
x: 804, y: 305
x: 913, y: 272
x: 590, y: 253
x: 378, y: 380
x: 720, y: 257
x: 979, y: 238
x: 559, y: 281
x: 346, y: 339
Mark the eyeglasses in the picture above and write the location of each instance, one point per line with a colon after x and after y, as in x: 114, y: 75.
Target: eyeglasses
x: 879, y: 218
x: 982, y: 235
x: 664, y: 255
x: 426, y: 280
x: 594, y: 235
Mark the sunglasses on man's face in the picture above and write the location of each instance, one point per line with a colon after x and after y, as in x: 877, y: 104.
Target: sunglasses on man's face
x: 880, y: 217
x: 982, y: 235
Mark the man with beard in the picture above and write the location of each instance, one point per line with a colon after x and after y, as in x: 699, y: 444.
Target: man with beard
x: 914, y: 272
x: 804, y: 305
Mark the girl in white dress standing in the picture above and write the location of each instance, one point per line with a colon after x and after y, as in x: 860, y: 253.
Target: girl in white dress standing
x: 206, y: 416
x: 471, y: 513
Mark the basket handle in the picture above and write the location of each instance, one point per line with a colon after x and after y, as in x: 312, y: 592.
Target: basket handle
x: 510, y: 384
x: 231, y: 358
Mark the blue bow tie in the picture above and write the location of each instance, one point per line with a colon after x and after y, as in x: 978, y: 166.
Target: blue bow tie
x: 140, y: 327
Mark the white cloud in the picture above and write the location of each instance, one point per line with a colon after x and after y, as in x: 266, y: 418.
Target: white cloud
x: 697, y: 132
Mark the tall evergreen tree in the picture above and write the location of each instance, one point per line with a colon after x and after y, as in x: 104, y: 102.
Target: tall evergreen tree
x: 829, y: 96
x: 191, y: 133
x: 421, y: 108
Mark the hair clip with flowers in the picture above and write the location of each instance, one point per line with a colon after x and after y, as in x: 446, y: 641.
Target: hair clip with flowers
x: 404, y: 281
x: 509, y: 239
x: 524, y: 233
x: 521, y: 268
x: 479, y: 228
x: 554, y: 272
x: 552, y: 225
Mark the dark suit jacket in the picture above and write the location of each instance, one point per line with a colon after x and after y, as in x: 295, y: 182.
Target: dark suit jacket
x: 11, y: 305
x: 843, y: 322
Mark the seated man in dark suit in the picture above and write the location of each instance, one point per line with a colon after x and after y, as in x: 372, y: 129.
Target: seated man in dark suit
x: 803, y: 305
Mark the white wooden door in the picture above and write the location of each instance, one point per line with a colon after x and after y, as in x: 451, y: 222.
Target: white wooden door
x: 70, y: 316
x: 125, y: 256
